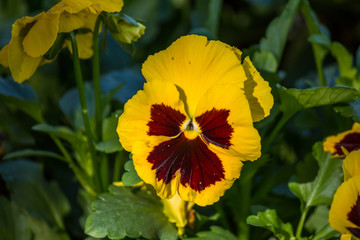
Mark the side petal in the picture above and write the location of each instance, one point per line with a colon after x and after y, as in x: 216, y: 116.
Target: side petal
x: 70, y: 21
x: 345, y: 207
x: 194, y: 64
x: 244, y: 140
x: 257, y: 91
x: 4, y: 56
x: 351, y: 165
x: 22, y: 66
x: 133, y: 123
x: 42, y: 35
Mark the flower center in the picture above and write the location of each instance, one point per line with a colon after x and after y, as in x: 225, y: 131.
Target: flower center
x: 190, y: 129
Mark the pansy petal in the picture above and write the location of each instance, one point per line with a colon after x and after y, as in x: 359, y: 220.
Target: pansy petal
x: 84, y: 43
x: 4, y: 56
x: 107, y: 5
x: 344, y: 214
x: 351, y: 165
x: 22, y: 66
x: 243, y: 140
x: 257, y: 91
x: 350, y: 140
x: 70, y: 21
x: 42, y: 35
x: 194, y: 64
x: 139, y: 120
x: 70, y: 6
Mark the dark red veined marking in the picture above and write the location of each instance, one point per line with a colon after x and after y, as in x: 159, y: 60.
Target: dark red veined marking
x: 354, y: 217
x: 350, y: 142
x: 165, y: 121
x: 199, y: 167
x: 215, y: 127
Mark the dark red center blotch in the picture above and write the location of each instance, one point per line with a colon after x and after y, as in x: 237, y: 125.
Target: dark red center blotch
x: 165, y: 121
x: 350, y: 142
x: 354, y: 217
x: 198, y: 166
x: 215, y: 127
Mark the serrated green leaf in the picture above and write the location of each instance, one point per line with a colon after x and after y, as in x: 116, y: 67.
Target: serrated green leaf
x: 121, y: 213
x: 294, y: 100
x: 32, y: 152
x: 277, y: 31
x: 353, y: 110
x: 22, y: 96
x: 130, y: 177
x: 322, y: 189
x: 270, y: 221
x: 215, y: 233
x: 30, y: 191
x: 109, y: 146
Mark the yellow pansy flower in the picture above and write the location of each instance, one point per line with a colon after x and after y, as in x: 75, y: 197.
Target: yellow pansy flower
x: 192, y: 126
x: 344, y: 214
x: 348, y: 140
x: 351, y: 165
x: 32, y: 37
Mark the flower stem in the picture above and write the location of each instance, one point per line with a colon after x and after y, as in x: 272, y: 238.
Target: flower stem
x: 84, y: 111
x: 96, y: 79
x: 301, y: 223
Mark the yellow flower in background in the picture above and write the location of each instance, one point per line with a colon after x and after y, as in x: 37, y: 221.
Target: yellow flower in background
x: 351, y: 165
x: 192, y: 126
x: 177, y: 210
x: 344, y: 214
x: 32, y: 37
x: 349, y: 140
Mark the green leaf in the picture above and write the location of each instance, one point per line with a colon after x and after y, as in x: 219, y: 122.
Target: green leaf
x: 109, y: 146
x: 214, y: 10
x: 30, y: 191
x: 270, y: 221
x: 122, y: 213
x: 32, y: 152
x: 215, y: 233
x: 59, y: 131
x: 294, y: 100
x: 265, y: 61
x: 277, y: 31
x: 320, y: 39
x: 344, y: 60
x: 13, y: 224
x: 22, y: 96
x: 353, y: 110
x: 322, y: 189
x: 318, y: 219
x: 130, y: 177
x: 327, y: 232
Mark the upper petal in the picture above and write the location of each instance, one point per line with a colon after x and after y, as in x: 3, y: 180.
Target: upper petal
x: 257, y: 91
x: 194, y: 64
x: 22, y: 66
x: 42, y: 35
x: 350, y: 140
x: 351, y: 165
x: 106, y: 5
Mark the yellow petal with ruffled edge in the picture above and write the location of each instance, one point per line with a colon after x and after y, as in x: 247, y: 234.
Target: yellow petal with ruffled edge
x: 257, y: 91
x: 194, y: 64
x: 351, y: 165
x: 70, y: 6
x: 22, y: 66
x: 106, y: 5
x: 4, y: 56
x: 244, y: 141
x: 345, y: 199
x: 41, y: 35
x: 133, y: 123
x: 331, y: 141
x: 70, y: 21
